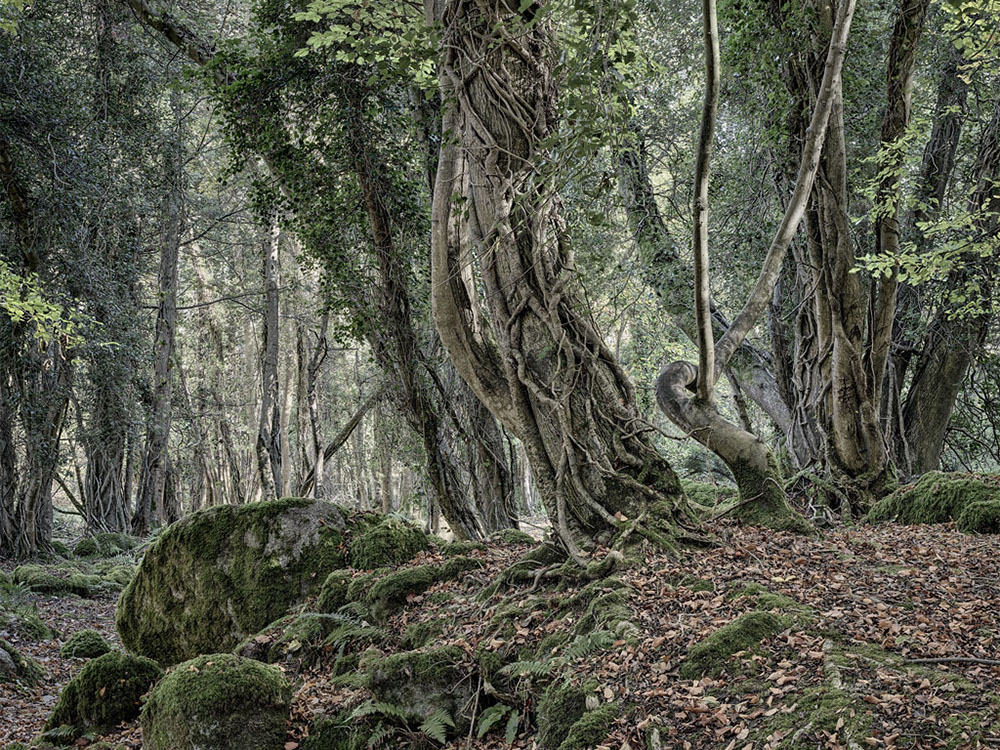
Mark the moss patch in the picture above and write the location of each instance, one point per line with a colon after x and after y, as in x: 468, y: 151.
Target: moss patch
x: 707, y: 495
x: 389, y: 593
x: 591, y: 728
x: 104, y: 693
x: 940, y: 497
x: 513, y: 537
x: 85, y: 644
x: 388, y: 542
x: 224, y: 573
x: 216, y: 702
x: 710, y: 655
x: 333, y: 593
x: 560, y: 707
x: 105, y: 545
x: 57, y: 580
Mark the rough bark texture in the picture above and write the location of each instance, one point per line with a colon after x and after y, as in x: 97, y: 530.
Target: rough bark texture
x: 538, y: 363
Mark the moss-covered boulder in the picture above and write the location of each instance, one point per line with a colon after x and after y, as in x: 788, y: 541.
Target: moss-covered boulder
x: 106, y: 692
x: 708, y: 495
x: 745, y: 632
x: 85, y: 644
x: 973, y: 501
x: 16, y: 667
x: 387, y: 542
x: 333, y: 593
x: 217, y: 702
x: 105, y: 544
x: 512, y: 537
x: 390, y: 593
x: 591, y: 728
x: 423, y: 682
x: 25, y: 622
x: 58, y: 580
x: 223, y: 573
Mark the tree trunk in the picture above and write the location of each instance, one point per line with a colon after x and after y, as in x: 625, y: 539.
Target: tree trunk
x: 548, y: 376
x: 268, y: 437
x: 158, y: 436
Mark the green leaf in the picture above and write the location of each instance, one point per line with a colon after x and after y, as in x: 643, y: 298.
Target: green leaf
x: 512, y: 723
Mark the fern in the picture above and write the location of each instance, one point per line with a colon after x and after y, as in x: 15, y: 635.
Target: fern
x: 531, y: 668
x: 489, y: 717
x: 379, y: 737
x: 510, y: 734
x: 583, y: 645
x: 436, y: 725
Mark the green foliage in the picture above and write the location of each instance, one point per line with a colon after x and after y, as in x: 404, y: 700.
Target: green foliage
x: 85, y: 644
x: 215, y: 702
x: 22, y: 299
x: 105, y: 692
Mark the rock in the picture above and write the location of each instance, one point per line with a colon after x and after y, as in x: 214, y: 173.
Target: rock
x: 218, y: 702
x: 57, y: 579
x: 420, y: 683
x: 939, y: 497
x: 385, y: 543
x: 85, y: 644
x: 104, y: 693
x: 106, y: 544
x: 592, y: 728
x: 512, y: 536
x: 710, y: 655
x: 16, y: 667
x: 226, y: 572
x: 560, y: 707
x: 391, y: 592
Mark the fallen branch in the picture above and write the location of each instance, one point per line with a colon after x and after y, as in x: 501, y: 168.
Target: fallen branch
x: 955, y: 660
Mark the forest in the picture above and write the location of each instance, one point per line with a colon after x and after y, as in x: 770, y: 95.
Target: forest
x: 536, y: 374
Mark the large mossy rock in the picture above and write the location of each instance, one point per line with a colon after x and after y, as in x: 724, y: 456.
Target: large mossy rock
x: 972, y: 501
x: 709, y: 656
x: 224, y: 573
x: 218, y: 702
x: 106, y: 692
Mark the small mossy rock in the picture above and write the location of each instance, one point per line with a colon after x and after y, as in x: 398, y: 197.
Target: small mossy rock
x: 708, y: 495
x: 333, y: 593
x: 26, y: 623
x: 341, y: 732
x: 391, y: 592
x: 512, y: 536
x: 85, y: 644
x: 389, y: 542
x: 16, y: 667
x: 419, y: 683
x: 561, y: 706
x: 224, y: 573
x: 419, y: 634
x: 105, y: 544
x: 106, y: 692
x: 980, y: 517
x: 710, y: 655
x: 296, y: 637
x: 453, y: 549
x: 217, y: 702
x: 937, y: 497
x: 591, y: 728
x: 57, y: 579
x: 60, y: 549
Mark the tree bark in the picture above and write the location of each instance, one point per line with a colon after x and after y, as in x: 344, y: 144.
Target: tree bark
x: 268, y: 429
x: 547, y: 375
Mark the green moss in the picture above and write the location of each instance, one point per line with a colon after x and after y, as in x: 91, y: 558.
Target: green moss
x: 707, y: 495
x: 820, y: 712
x: 216, y: 702
x: 25, y: 621
x: 333, y: 593
x: 61, y: 550
x: 16, y: 667
x: 591, y: 728
x: 57, y: 580
x: 451, y: 549
x: 422, y: 682
x: 389, y: 542
x: 85, y: 644
x: 513, y: 537
x: 105, y: 544
x: 419, y: 634
x: 341, y: 732
x: 104, y: 693
x: 389, y: 593
x: 224, y: 573
x: 358, y: 588
x: 710, y: 655
x: 980, y: 517
x: 560, y: 707
x: 939, y: 497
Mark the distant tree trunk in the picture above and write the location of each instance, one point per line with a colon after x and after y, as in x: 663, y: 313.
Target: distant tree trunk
x: 156, y: 458
x: 952, y: 343
x: 268, y: 450
x: 548, y: 376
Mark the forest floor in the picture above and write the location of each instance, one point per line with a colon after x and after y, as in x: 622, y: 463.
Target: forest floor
x: 895, y: 643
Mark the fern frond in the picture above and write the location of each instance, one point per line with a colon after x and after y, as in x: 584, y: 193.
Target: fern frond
x: 490, y: 717
x: 436, y: 725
